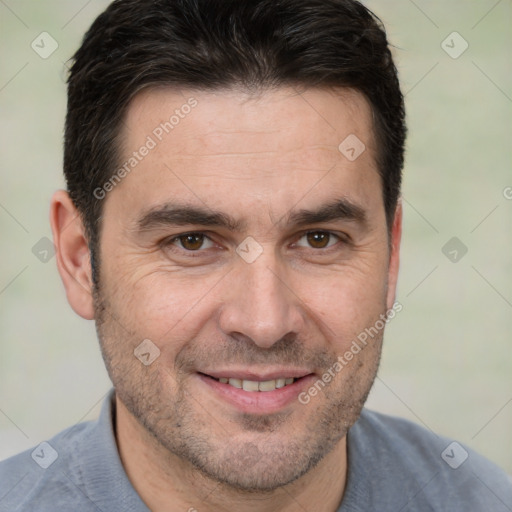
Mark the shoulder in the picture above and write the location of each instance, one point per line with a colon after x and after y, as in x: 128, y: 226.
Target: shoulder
x: 427, y: 468
x: 79, y: 469
x: 46, y: 474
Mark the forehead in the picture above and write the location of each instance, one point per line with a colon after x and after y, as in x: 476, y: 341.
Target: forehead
x: 238, y: 119
x: 227, y: 149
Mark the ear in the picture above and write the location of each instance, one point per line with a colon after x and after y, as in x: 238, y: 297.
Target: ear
x: 394, y: 256
x: 72, y: 251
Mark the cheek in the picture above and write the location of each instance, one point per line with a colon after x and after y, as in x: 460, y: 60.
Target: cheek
x: 161, y: 305
x: 164, y: 303
x: 346, y: 302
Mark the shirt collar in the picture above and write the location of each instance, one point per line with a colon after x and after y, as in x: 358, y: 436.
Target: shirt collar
x: 104, y: 479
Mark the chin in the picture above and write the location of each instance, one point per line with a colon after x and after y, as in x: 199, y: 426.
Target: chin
x: 263, y: 474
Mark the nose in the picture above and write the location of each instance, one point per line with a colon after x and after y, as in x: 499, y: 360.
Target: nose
x: 260, y: 304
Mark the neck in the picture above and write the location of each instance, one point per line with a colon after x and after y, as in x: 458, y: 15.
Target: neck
x: 161, y: 478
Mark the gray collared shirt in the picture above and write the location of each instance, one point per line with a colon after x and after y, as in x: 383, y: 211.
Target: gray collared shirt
x: 393, y: 465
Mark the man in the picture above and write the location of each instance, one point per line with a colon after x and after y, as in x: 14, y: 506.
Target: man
x: 232, y: 224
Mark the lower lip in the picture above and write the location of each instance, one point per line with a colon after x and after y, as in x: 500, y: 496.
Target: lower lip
x: 258, y: 402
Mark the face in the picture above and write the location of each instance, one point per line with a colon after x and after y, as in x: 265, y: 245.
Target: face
x: 250, y: 251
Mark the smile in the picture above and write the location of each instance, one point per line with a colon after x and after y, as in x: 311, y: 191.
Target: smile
x: 254, y: 385
x: 251, y: 393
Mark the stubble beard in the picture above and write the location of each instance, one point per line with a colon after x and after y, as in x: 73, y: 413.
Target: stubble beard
x: 257, y: 454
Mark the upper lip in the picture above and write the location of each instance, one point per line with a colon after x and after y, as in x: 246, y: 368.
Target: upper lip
x: 283, y: 373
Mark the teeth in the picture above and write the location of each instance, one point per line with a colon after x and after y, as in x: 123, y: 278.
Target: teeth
x: 253, y: 385
x: 237, y: 383
x: 280, y: 383
x: 268, y: 385
x: 250, y: 385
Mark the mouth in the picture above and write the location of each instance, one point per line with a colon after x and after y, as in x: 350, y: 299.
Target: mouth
x: 255, y: 385
x: 257, y: 393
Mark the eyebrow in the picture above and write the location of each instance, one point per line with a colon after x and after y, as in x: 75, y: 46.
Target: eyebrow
x: 177, y: 214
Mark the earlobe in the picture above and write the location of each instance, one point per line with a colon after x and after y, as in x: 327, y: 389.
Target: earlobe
x: 394, y: 259
x: 72, y: 251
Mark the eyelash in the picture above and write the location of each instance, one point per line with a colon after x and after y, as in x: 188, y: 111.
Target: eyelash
x: 169, y: 242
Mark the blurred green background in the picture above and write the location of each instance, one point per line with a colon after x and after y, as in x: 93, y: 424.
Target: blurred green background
x: 447, y: 361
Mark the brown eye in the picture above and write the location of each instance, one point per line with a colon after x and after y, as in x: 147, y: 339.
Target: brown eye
x: 318, y: 239
x: 191, y: 241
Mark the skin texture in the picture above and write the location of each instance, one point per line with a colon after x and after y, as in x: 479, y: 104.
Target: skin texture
x: 257, y: 158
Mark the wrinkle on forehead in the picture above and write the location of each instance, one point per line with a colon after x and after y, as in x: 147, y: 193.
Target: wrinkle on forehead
x: 234, y: 150
x: 238, y: 118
